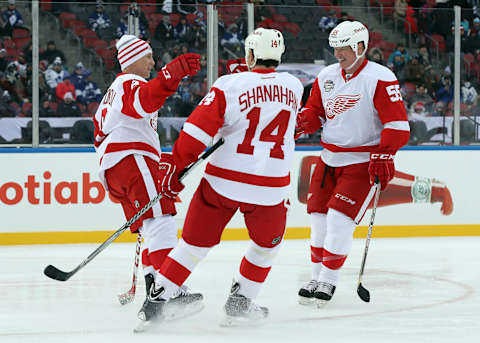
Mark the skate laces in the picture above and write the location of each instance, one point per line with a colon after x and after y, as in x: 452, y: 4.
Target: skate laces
x: 182, y: 291
x: 325, y: 287
x: 311, y: 286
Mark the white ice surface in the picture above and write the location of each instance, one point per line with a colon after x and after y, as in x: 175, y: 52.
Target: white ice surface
x: 423, y: 290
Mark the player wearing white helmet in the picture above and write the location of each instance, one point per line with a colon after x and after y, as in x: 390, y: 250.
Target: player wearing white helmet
x: 255, y: 113
x: 360, y: 108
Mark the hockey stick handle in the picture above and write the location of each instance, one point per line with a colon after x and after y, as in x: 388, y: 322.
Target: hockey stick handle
x: 370, y: 228
x: 57, y: 274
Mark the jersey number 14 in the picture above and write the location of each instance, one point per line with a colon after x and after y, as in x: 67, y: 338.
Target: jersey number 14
x: 280, y: 121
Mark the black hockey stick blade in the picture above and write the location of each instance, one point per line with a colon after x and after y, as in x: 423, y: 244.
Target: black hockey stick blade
x: 363, y: 293
x: 56, y: 274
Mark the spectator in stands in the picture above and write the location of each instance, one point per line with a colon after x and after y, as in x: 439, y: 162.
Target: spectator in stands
x: 439, y: 109
x: 172, y: 51
x: 3, y: 60
x: 445, y: 92
x: 424, y: 55
x: 45, y: 108
x: 469, y: 95
x: 52, y: 52
x: 232, y: 39
x: 473, y: 41
x: 328, y: 22
x: 79, y: 81
x: 55, y: 74
x: 68, y: 107
x: 164, y: 31
x: 6, y: 109
x: 199, y: 38
x: 376, y: 55
x: 12, y: 17
x: 399, y: 66
x: 11, y: 82
x: 450, y: 41
x: 421, y: 95
x: 400, y: 9
x: 400, y: 49
x: 122, y: 28
x: 64, y: 87
x: 99, y: 20
x: 414, y: 71
x: 27, y: 52
x: 475, y: 26
x: 183, y: 31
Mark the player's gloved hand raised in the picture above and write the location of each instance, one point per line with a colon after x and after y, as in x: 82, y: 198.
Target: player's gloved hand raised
x: 169, y: 183
x: 381, y: 165
x: 184, y: 65
x: 307, y: 122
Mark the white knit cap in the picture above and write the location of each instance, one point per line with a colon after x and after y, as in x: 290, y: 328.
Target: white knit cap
x: 131, y: 49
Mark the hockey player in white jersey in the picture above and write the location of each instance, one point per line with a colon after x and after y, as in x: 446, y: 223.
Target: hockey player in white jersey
x: 359, y: 105
x: 255, y: 113
x: 128, y: 148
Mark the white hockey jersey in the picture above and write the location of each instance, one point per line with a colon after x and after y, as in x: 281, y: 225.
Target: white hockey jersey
x: 357, y: 112
x: 255, y: 112
x: 126, y: 120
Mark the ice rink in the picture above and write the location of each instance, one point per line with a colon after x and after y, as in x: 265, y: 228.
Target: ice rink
x: 422, y: 289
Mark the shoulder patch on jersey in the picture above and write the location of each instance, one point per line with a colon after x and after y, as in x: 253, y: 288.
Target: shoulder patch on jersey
x: 328, y: 85
x: 339, y: 104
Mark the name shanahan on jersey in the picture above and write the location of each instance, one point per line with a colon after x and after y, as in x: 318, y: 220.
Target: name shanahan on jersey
x: 255, y: 112
x: 126, y: 120
x: 356, y: 111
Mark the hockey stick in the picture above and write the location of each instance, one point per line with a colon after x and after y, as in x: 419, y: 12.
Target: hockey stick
x: 128, y: 297
x: 56, y: 274
x: 362, y: 292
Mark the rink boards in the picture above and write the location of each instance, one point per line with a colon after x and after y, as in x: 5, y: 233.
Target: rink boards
x: 54, y: 196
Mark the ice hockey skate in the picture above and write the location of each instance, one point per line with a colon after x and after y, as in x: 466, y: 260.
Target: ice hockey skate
x: 183, y: 304
x: 242, y: 311
x: 155, y: 309
x: 305, y: 294
x: 324, y: 293
x: 152, y: 309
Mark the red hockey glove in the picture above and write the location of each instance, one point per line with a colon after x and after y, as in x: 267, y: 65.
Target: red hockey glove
x: 184, y: 65
x: 307, y: 122
x: 169, y: 183
x: 381, y: 165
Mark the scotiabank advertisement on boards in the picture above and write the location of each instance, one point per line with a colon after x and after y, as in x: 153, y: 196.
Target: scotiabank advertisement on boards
x: 44, y: 192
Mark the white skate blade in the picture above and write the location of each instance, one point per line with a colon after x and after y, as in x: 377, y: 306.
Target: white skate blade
x: 174, y: 312
x: 321, y: 303
x: 306, y: 301
x: 142, y: 326
x: 229, y: 321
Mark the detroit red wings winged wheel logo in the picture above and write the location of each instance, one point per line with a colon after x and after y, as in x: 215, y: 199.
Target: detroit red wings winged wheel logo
x: 335, y: 106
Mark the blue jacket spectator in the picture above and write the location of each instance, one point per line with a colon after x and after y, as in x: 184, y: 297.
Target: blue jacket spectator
x: 445, y: 92
x: 12, y: 16
x: 86, y: 91
x: 99, y: 19
x: 183, y: 31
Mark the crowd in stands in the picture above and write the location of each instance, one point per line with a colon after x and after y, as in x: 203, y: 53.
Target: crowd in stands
x: 178, y: 26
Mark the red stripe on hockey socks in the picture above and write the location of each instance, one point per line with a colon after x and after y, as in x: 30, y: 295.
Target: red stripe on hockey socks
x: 316, y: 254
x: 145, y: 259
x: 252, y: 272
x: 333, y: 261
x: 174, y: 271
x: 157, y: 257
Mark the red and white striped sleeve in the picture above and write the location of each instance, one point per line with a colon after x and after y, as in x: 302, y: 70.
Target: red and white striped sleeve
x: 200, y: 128
x: 142, y: 98
x: 392, y: 113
